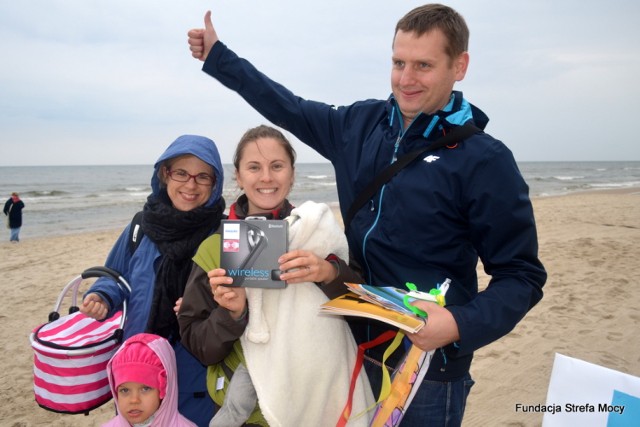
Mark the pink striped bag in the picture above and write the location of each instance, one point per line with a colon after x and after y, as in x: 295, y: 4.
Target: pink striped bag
x: 71, y: 352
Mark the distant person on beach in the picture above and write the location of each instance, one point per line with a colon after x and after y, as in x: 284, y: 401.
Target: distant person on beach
x: 212, y: 315
x: 433, y: 220
x: 184, y: 208
x: 144, y: 383
x: 13, y: 211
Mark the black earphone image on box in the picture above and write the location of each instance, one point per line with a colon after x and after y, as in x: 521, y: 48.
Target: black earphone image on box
x: 243, y: 255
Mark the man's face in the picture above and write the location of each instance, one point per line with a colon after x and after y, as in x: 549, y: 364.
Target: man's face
x: 422, y: 76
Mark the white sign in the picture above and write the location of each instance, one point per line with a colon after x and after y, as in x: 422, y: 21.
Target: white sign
x: 584, y: 394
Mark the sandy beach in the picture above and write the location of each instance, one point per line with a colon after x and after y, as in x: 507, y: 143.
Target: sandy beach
x: 588, y: 243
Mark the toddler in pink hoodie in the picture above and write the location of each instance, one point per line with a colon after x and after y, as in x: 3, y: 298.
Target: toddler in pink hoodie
x: 142, y: 377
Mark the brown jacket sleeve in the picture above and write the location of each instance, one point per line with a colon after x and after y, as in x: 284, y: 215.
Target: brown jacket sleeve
x: 207, y: 330
x: 346, y: 273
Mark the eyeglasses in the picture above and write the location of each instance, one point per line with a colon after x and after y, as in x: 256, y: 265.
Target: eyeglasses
x: 181, y: 175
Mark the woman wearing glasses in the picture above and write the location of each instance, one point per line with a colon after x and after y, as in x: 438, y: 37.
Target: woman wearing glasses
x: 184, y: 208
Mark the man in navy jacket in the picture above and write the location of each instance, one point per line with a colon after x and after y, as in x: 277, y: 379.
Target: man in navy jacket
x: 436, y: 217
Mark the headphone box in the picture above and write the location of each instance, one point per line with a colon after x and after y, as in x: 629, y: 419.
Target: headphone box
x: 250, y: 248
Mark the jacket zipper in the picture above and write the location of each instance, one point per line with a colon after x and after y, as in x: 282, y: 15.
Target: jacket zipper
x: 396, y: 146
x: 395, y: 114
x: 372, y: 205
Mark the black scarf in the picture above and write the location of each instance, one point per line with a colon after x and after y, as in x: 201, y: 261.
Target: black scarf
x: 177, y: 235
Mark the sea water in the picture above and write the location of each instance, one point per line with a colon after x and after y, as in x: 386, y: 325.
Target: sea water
x: 73, y: 199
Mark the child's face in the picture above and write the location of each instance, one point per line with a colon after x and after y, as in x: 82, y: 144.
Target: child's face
x: 137, y: 402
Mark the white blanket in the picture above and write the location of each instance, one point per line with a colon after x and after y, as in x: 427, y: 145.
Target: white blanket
x: 301, y: 361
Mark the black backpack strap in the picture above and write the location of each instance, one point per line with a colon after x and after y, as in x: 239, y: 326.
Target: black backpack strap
x: 456, y: 135
x: 135, y: 232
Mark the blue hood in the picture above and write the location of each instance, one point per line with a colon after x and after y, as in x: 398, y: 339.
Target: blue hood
x: 201, y: 147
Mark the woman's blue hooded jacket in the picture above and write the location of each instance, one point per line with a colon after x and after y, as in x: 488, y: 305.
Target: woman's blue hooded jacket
x: 140, y: 268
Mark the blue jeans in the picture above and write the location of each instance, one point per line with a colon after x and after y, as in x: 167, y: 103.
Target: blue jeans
x: 15, y: 235
x: 436, y: 404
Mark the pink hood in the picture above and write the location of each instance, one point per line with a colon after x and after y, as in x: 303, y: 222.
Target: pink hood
x: 167, y: 414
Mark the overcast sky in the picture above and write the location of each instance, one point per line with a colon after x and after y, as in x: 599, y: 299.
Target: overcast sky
x: 113, y: 82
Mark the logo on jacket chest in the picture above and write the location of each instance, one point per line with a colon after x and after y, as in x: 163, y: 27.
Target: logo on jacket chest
x: 431, y: 158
